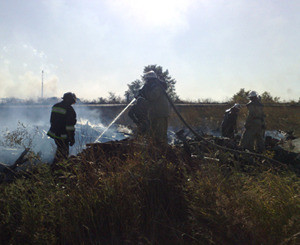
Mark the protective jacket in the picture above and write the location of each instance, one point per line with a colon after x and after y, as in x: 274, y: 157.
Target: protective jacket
x: 229, y: 123
x: 153, y: 92
x: 256, y: 116
x: 159, y: 109
x: 139, y: 114
x: 63, y: 120
x: 253, y: 136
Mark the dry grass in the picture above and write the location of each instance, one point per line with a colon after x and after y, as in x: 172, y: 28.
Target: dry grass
x: 281, y: 117
x: 150, y: 199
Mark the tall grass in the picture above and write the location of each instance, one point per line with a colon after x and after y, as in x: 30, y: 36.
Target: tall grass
x: 244, y: 209
x: 145, y: 198
x: 281, y: 117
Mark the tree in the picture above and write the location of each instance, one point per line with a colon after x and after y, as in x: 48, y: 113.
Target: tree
x: 240, y: 97
x: 165, y: 77
x: 136, y: 85
x: 133, y: 88
x: 101, y: 100
x: 266, y: 97
x: 113, y: 98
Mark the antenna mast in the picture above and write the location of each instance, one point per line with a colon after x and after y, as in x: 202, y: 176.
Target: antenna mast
x: 42, y: 84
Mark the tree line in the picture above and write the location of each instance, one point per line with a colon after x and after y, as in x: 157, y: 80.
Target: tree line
x: 133, y: 87
x: 240, y: 97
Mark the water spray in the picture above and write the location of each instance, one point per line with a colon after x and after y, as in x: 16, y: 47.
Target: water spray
x: 113, y: 121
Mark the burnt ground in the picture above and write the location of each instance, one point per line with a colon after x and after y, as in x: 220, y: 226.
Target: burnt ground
x: 192, y: 152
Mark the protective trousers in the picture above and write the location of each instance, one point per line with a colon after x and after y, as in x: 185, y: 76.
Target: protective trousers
x: 158, y: 130
x: 62, y: 150
x: 253, y: 136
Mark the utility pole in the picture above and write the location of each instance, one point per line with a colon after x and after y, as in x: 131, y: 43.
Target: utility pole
x: 42, y: 84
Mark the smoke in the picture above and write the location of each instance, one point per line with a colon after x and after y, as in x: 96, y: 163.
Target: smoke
x: 20, y: 72
x: 26, y: 86
x: 27, y: 126
x: 50, y: 86
x: 5, y: 81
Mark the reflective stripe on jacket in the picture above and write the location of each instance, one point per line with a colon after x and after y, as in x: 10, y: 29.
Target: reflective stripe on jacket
x: 59, y: 110
x: 63, y: 120
x: 53, y: 135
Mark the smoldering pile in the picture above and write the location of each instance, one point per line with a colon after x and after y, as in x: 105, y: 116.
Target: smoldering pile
x: 184, y: 150
x: 125, y: 149
x: 22, y: 136
x: 189, y: 151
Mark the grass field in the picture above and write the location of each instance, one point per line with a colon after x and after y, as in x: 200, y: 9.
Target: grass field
x: 279, y: 117
x: 145, y: 197
x: 284, y: 117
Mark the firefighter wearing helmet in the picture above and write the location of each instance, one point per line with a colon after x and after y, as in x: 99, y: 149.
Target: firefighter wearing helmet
x: 229, y: 123
x: 62, y: 130
x: 253, y: 136
x: 139, y: 115
x: 158, y: 107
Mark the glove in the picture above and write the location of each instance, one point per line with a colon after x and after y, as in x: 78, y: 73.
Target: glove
x: 72, y: 142
x: 137, y: 94
x: 140, y: 93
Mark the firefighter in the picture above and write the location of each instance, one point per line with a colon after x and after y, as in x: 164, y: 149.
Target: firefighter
x: 139, y: 115
x: 62, y: 130
x: 229, y: 126
x: 253, y: 136
x: 159, y: 109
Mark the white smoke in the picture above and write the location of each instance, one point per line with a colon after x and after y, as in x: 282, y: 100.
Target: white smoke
x: 27, y: 126
x: 21, y: 68
x: 26, y: 86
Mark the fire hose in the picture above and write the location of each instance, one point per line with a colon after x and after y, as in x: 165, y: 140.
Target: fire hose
x: 198, y: 136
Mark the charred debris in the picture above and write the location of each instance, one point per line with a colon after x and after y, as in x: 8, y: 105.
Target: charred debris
x: 192, y: 153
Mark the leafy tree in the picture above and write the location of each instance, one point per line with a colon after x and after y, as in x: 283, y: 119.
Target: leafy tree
x: 101, y: 100
x: 164, y: 76
x: 267, y: 98
x: 240, y: 97
x: 133, y: 88
x: 113, y: 98
x: 136, y: 85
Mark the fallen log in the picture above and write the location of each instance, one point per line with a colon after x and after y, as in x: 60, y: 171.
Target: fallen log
x: 7, y: 172
x: 21, y: 159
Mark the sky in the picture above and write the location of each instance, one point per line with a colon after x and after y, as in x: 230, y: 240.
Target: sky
x: 212, y: 48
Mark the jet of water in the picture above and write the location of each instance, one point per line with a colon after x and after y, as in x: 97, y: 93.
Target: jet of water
x: 116, y: 118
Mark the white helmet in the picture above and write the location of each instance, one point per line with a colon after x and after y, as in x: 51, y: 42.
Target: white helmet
x: 252, y: 94
x: 150, y: 75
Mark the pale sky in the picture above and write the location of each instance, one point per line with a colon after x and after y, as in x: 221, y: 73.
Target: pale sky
x: 92, y: 47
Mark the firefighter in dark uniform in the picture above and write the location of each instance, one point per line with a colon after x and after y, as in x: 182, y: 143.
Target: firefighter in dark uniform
x: 253, y: 135
x: 62, y: 130
x: 229, y: 122
x: 159, y: 109
x: 139, y: 115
